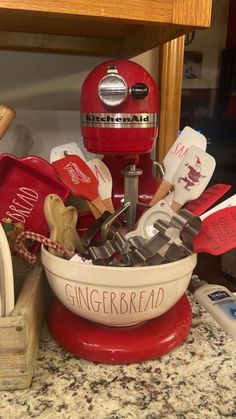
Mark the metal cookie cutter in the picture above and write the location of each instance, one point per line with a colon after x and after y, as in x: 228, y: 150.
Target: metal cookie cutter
x: 149, y: 250
x: 170, y: 251
x: 110, y: 223
x: 106, y: 254
x: 107, y: 222
x: 181, y: 229
x: 103, y: 252
x: 94, y: 229
x: 188, y: 224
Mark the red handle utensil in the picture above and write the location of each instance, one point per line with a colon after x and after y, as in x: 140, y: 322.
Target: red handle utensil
x: 207, y: 198
x: 218, y: 233
x: 75, y: 173
x: 97, y: 166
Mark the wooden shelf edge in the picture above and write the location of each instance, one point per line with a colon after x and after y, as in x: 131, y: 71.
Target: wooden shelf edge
x: 195, y: 13
x: 18, y: 41
x: 137, y: 42
x: 186, y: 12
x: 146, y: 38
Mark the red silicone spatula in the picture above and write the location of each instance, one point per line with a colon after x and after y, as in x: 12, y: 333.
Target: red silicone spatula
x: 218, y: 233
x: 75, y: 173
x: 97, y: 166
x: 207, y: 198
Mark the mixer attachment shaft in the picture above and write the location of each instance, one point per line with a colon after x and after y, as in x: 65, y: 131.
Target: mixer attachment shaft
x: 131, y: 175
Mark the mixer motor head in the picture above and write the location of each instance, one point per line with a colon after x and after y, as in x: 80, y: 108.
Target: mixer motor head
x: 119, y: 109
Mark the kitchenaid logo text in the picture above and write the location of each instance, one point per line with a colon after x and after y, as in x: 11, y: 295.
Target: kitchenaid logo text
x: 76, y: 175
x: 22, y: 205
x: 101, y: 301
x: 119, y: 120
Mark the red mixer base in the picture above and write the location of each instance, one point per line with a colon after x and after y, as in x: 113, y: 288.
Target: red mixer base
x: 113, y: 345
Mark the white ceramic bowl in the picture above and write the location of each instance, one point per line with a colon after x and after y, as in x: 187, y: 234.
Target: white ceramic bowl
x: 117, y: 296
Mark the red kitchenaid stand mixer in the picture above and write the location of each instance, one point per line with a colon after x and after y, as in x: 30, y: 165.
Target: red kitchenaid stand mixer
x: 119, y: 119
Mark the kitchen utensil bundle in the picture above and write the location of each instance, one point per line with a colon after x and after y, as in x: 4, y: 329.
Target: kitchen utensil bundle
x: 164, y: 233
x: 164, y: 246
x: 183, y: 234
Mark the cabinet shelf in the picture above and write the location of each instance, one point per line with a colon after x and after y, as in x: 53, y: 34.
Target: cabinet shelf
x: 98, y: 28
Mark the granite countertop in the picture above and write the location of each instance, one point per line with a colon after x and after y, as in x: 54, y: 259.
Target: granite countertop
x: 196, y: 380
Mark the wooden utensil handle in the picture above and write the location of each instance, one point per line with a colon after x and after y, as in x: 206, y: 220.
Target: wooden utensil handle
x: 6, y: 117
x: 161, y: 192
x: 108, y: 204
x: 175, y: 206
x: 93, y: 209
x: 97, y: 207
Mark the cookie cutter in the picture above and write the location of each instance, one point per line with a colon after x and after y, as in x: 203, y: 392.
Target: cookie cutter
x: 149, y: 249
x: 111, y: 224
x: 113, y: 252
x: 172, y: 242
x: 181, y: 230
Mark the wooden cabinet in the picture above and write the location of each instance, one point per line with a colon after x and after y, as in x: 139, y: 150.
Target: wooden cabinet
x: 101, y: 27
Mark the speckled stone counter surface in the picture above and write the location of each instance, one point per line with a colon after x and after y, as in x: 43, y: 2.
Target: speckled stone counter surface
x: 195, y: 381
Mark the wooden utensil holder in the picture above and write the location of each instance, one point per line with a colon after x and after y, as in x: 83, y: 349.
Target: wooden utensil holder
x: 20, y: 333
